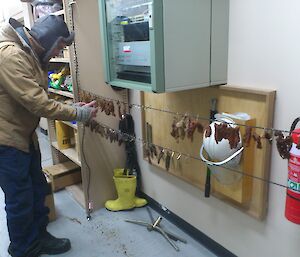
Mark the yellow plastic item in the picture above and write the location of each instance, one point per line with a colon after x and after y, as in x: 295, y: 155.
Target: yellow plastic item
x: 64, y: 133
x: 63, y: 72
x: 139, y: 202
x: 125, y: 186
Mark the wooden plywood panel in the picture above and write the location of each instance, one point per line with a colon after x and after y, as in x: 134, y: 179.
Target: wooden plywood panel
x: 77, y: 193
x: 248, y: 194
x: 240, y: 191
x: 99, y: 157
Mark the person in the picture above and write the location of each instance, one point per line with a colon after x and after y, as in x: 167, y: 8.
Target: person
x: 24, y: 56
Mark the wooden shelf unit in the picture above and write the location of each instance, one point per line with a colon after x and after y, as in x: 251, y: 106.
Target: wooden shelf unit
x: 70, y: 153
x: 59, y: 155
x: 60, y: 12
x: 74, y: 126
x: 59, y: 60
x: 60, y: 92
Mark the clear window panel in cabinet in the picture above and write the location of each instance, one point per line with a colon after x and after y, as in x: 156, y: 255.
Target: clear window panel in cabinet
x: 128, y: 39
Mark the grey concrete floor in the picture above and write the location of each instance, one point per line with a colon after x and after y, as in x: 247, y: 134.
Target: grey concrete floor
x: 107, y: 234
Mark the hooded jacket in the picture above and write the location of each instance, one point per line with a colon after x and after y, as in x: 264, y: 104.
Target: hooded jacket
x: 23, y: 92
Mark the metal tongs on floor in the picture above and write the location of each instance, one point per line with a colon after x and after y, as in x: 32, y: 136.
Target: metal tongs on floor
x: 155, y: 226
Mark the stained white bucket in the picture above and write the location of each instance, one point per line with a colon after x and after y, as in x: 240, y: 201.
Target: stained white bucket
x: 226, y: 160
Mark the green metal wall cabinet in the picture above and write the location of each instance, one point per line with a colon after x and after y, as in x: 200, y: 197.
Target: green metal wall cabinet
x: 164, y: 45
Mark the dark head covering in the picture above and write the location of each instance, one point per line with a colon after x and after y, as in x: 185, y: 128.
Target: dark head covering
x: 49, y: 31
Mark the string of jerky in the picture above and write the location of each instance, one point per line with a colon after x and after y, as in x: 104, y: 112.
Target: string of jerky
x: 164, y: 152
x: 268, y: 131
x: 189, y: 123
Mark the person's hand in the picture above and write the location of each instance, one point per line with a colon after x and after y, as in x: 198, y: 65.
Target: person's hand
x: 86, y: 111
x: 92, y: 104
x: 79, y: 104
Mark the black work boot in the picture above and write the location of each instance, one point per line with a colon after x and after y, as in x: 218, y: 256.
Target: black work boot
x: 51, y: 245
x: 33, y: 251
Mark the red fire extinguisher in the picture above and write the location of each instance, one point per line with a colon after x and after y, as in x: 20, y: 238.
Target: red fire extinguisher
x: 292, y: 205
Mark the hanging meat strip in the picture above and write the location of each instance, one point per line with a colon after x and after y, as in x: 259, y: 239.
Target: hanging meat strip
x: 247, y: 136
x: 223, y: 131
x: 283, y: 144
x: 257, y: 139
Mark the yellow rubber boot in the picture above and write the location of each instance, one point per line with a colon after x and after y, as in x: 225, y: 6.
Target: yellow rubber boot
x: 125, y: 186
x: 139, y: 202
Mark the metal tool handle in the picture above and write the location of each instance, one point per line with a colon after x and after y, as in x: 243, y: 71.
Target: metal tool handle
x: 175, y: 237
x: 150, y: 214
x: 207, y: 183
x: 156, y: 223
x: 168, y: 239
x: 212, y: 113
x: 146, y: 224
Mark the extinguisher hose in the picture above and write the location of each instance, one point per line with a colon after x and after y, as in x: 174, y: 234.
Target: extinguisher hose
x: 295, y: 122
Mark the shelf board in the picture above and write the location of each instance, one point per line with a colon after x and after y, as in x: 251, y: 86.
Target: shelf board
x: 74, y: 126
x: 69, y: 152
x: 60, y: 92
x: 59, y: 60
x: 60, y: 12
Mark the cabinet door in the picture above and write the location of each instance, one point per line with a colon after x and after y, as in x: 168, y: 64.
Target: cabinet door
x: 219, y: 41
x: 165, y: 45
x: 127, y: 35
x: 187, y: 27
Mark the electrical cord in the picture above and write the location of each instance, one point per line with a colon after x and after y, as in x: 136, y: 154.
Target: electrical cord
x: 90, y: 208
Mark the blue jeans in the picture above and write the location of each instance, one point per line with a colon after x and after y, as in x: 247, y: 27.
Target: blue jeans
x: 25, y: 188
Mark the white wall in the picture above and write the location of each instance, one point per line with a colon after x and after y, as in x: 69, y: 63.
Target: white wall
x: 264, y: 52
x: 9, y: 8
x: 16, y: 9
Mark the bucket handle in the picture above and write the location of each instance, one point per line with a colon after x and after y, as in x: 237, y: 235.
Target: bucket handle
x: 221, y: 162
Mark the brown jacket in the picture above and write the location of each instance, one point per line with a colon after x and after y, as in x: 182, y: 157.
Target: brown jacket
x: 23, y: 92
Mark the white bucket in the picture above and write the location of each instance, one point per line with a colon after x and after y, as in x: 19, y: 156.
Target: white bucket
x: 225, y: 170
